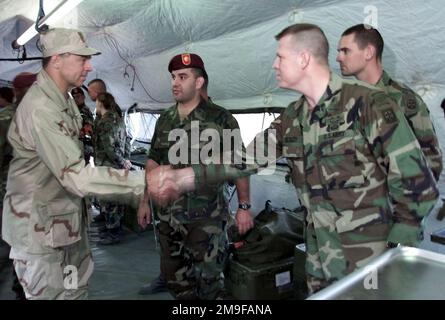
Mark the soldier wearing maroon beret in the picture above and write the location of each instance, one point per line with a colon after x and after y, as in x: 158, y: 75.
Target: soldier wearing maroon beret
x: 192, y: 229
x: 187, y: 60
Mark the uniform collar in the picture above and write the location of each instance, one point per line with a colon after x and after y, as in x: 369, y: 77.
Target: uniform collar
x: 49, y: 87
x: 110, y: 115
x: 199, y: 113
x: 334, y: 86
x: 384, y: 80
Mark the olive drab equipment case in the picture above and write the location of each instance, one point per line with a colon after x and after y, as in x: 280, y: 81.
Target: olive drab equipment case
x: 261, y: 265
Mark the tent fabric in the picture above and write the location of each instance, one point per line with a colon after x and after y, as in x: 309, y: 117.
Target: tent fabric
x: 236, y: 41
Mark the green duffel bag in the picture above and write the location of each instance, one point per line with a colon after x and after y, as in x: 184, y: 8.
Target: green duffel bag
x: 274, y: 236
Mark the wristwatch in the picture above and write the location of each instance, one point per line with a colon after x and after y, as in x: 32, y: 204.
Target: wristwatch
x: 244, y: 206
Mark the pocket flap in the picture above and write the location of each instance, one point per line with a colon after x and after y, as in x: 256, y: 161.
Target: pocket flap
x: 62, y: 222
x: 59, y: 207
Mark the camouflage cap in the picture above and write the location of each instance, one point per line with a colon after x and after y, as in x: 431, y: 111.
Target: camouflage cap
x: 186, y: 60
x: 60, y: 40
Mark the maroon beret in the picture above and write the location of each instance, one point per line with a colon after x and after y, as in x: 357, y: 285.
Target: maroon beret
x: 186, y: 60
x: 24, y: 80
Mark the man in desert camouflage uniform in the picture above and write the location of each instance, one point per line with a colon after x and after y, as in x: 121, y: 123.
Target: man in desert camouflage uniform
x: 192, y: 229
x: 352, y: 153
x: 44, y: 217
x: 360, y: 52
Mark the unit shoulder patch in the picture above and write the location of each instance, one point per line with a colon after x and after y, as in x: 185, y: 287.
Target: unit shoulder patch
x: 389, y: 116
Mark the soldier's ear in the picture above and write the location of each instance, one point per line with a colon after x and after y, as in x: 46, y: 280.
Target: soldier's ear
x: 305, y: 58
x: 56, y: 61
x: 370, y: 52
x: 199, y: 82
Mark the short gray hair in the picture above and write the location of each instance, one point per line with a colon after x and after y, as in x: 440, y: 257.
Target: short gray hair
x: 308, y: 36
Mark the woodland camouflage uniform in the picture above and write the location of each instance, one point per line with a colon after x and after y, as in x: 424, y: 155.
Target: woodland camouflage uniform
x: 359, y: 171
x: 192, y: 230
x: 418, y: 117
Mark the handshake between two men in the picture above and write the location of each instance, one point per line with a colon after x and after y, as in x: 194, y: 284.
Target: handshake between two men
x: 165, y: 184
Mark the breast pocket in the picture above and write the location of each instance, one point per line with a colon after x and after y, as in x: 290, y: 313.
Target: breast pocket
x: 338, y: 164
x: 162, y: 146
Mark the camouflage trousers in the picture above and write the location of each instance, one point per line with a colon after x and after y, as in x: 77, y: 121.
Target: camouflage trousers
x: 62, y: 274
x: 193, y: 257
x: 113, y: 213
x: 331, y: 255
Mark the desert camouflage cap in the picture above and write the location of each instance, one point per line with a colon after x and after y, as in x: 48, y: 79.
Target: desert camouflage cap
x: 60, y: 40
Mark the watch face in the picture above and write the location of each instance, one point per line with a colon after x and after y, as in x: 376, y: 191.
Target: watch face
x: 244, y: 206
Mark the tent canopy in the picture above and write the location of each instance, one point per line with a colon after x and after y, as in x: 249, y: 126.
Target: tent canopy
x: 236, y: 41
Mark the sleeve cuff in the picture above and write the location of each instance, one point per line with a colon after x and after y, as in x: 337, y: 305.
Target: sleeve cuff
x: 200, y: 174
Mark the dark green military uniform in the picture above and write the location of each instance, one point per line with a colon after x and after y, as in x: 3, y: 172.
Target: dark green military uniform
x: 351, y: 156
x: 418, y: 116
x: 109, y: 141
x: 192, y: 230
x: 87, y: 115
x: 87, y: 131
x: 109, y: 146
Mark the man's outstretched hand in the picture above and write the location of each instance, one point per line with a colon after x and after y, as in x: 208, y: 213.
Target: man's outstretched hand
x: 166, y: 184
x: 162, y: 185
